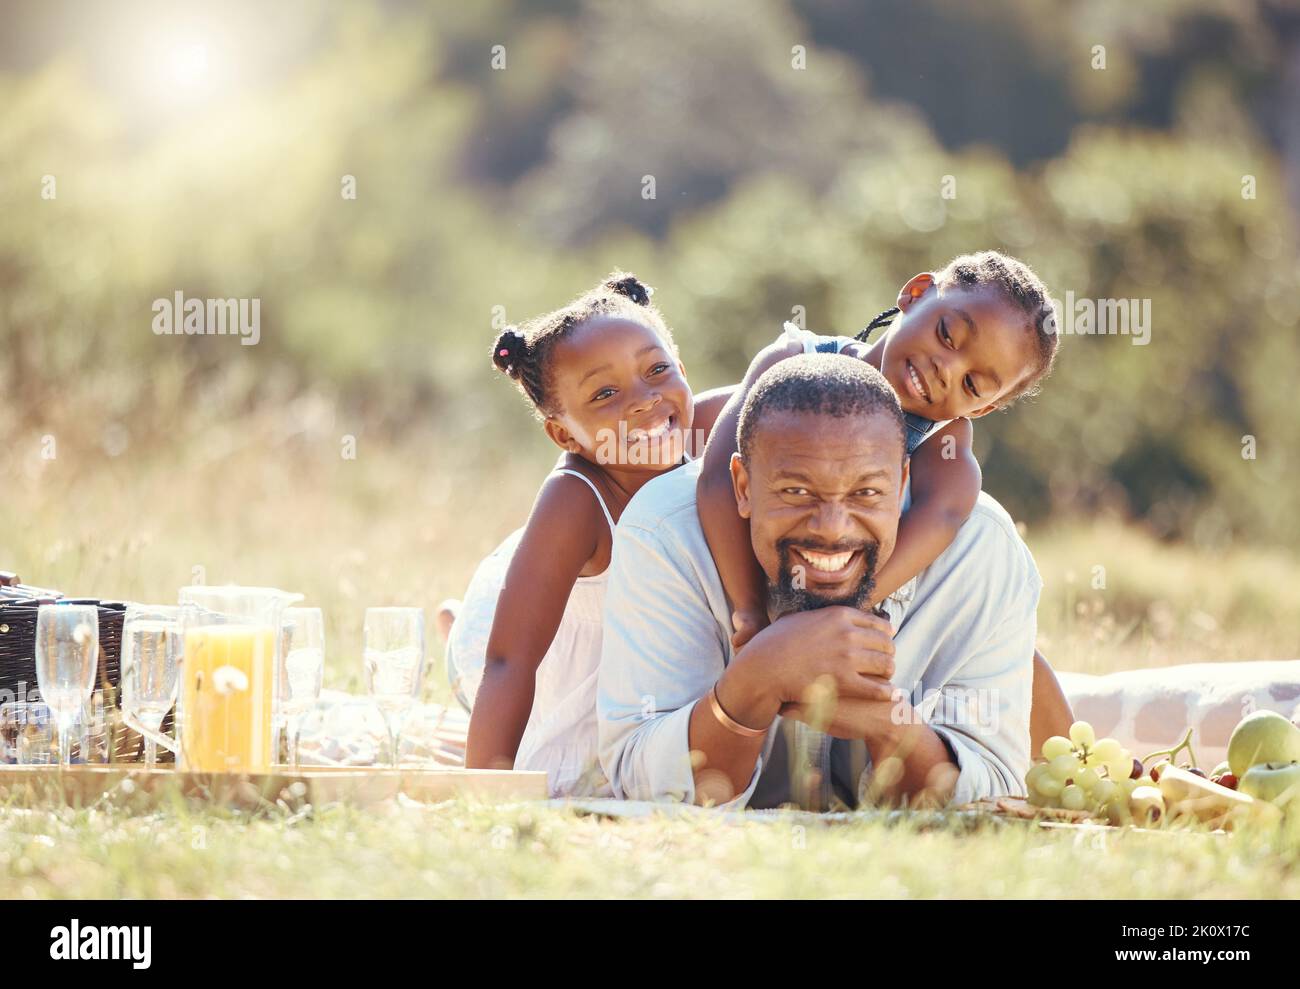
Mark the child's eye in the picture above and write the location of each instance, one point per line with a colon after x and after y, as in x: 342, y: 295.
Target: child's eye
x: 866, y: 493
x: 970, y: 385
x: 797, y: 492
x: 659, y: 369
x: 603, y: 394
x: 943, y: 332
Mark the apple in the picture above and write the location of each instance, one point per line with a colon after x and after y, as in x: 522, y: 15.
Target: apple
x: 1264, y: 736
x: 1276, y: 782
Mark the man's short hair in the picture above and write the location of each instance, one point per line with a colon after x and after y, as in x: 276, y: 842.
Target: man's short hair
x: 827, y: 384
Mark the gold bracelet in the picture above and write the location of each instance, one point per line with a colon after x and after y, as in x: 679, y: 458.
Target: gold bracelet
x: 730, y: 723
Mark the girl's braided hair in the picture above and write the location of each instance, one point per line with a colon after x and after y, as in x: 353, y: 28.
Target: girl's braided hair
x: 1021, y: 288
x: 524, y: 353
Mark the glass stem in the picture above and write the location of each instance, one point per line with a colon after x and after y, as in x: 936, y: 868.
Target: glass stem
x: 65, y: 744
x: 150, y: 753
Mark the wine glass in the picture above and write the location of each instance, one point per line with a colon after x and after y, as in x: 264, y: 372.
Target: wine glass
x: 67, y: 656
x: 302, y: 668
x: 25, y: 733
x: 394, y: 662
x: 152, y: 649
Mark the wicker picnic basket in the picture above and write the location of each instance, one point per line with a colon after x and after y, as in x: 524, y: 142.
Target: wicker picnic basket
x: 111, y: 740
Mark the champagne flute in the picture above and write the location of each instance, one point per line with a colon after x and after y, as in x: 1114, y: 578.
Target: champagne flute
x: 394, y: 662
x: 302, y: 668
x: 152, y: 649
x: 25, y: 733
x: 67, y: 656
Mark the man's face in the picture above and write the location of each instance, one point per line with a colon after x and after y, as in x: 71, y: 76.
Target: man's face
x: 823, y: 496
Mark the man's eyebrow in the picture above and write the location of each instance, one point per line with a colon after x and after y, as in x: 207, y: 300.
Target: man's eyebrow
x: 796, y: 475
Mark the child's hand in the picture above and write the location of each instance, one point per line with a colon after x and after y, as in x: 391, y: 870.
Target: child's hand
x: 747, y: 624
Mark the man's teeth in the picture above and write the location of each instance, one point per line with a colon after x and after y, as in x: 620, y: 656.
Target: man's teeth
x: 826, y: 562
x: 916, y: 380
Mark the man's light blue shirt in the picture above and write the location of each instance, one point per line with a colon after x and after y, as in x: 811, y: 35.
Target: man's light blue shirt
x: 964, y: 640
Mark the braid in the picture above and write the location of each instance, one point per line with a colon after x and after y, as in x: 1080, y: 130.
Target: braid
x: 524, y: 353
x: 882, y: 320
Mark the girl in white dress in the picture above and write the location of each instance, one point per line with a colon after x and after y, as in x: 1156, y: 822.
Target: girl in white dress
x: 603, y: 376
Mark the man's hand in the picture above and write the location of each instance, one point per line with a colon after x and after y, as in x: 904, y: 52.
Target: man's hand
x: 848, y: 648
x: 848, y: 717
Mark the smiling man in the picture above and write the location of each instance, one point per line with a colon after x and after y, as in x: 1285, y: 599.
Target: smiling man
x: 928, y: 696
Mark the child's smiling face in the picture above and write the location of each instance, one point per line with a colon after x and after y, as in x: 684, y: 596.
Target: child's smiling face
x: 612, y: 370
x: 956, y: 352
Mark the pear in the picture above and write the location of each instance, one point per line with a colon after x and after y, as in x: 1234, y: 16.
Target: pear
x: 1276, y: 782
x: 1264, y: 736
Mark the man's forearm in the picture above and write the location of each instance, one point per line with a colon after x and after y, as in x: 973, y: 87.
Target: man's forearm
x: 910, y: 761
x: 723, y: 760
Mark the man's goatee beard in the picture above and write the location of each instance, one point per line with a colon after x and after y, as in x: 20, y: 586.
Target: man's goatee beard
x: 785, y: 598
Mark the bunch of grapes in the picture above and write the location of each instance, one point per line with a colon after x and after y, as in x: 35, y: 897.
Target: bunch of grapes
x: 1082, y: 772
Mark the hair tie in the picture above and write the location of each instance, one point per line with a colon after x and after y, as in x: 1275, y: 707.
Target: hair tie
x: 509, y: 351
x: 630, y: 287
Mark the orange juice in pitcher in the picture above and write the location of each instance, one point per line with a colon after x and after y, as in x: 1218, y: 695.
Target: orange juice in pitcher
x: 226, y: 709
x: 228, y: 680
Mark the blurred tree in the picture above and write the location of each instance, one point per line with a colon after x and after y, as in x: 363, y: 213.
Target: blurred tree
x: 484, y: 196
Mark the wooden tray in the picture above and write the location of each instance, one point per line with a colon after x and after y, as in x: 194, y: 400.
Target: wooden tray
x: 85, y: 785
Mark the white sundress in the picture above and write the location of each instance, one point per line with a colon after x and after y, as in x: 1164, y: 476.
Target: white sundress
x: 560, y: 737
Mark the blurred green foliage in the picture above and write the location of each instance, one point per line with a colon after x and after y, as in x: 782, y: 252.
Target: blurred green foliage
x: 493, y: 193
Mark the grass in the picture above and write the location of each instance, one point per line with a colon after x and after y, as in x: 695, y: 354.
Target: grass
x: 403, y: 523
x: 466, y: 850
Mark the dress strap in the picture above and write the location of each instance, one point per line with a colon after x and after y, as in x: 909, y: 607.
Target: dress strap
x: 594, y: 490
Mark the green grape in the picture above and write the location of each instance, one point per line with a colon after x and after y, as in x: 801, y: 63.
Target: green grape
x: 1092, y: 760
x: 1087, y: 780
x: 1049, y: 786
x: 1105, y: 791
x: 1117, y: 810
x: 1055, y: 746
x: 1036, y: 772
x: 1119, y: 768
x: 1108, y: 750
x: 1073, y: 797
x: 1081, y: 734
x: 1127, y: 786
x: 1063, y: 767
x: 1037, y: 799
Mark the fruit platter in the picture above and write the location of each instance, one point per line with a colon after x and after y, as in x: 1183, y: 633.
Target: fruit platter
x: 1081, y: 779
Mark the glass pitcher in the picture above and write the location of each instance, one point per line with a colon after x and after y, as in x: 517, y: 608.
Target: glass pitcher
x: 227, y: 698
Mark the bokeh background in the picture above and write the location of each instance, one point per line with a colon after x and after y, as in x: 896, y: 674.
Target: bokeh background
x: 500, y: 152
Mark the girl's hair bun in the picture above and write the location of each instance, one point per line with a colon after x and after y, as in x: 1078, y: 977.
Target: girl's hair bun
x: 630, y: 287
x: 510, y: 351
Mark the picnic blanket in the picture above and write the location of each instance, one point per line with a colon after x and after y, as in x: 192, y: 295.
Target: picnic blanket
x: 1152, y: 708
